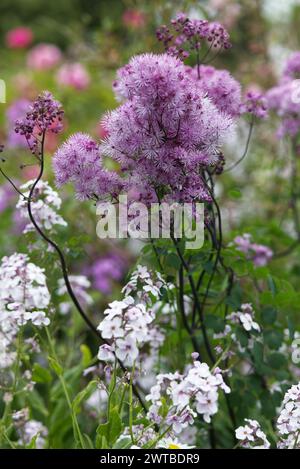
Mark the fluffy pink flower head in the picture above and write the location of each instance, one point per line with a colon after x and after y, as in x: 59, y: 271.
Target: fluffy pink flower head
x: 19, y: 38
x: 44, y: 57
x: 220, y: 87
x: 74, y: 75
x: 78, y: 161
x: 166, y: 130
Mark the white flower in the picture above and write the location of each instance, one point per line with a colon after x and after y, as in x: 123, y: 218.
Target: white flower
x: 248, y: 323
x: 154, y: 393
x: 148, y: 282
x: 245, y: 318
x: 132, y: 318
x: 106, y: 353
x: 207, y: 405
x: 43, y: 206
x: 244, y: 433
x: 126, y: 350
x: 252, y: 436
x: 180, y: 393
x: 23, y: 293
x: 111, y: 328
x: 197, y: 389
x: 38, y: 318
x: 288, y: 422
x: 32, y: 429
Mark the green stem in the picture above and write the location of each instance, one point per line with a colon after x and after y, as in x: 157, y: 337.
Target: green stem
x: 76, y: 429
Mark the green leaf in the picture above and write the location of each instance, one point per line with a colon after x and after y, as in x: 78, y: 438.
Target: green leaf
x: 215, y: 323
x: 111, y: 429
x: 272, y: 285
x: 40, y: 374
x: 291, y: 327
x: 235, y: 194
x: 88, y: 442
x: 123, y: 443
x: 32, y: 444
x: 234, y: 300
x: 269, y: 315
x: 86, y: 355
x: 273, y: 338
x: 56, y: 367
x: 258, y: 353
x: 83, y: 395
x: 242, y: 337
x: 36, y: 402
x: 172, y: 260
x: 277, y: 360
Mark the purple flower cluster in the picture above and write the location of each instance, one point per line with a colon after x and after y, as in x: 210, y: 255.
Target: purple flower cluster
x: 44, y: 114
x: 106, y: 270
x: 223, y: 90
x: 285, y: 98
x: 185, y: 33
x: 292, y: 67
x: 259, y: 254
x: 167, y: 130
x: 78, y: 160
x: 255, y: 103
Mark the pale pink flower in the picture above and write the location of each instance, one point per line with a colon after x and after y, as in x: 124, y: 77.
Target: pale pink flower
x: 44, y: 56
x: 74, y: 75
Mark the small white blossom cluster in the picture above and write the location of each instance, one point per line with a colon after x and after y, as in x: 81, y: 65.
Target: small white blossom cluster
x: 142, y: 284
x: 33, y: 429
x: 197, y: 389
x: 251, y: 435
x: 29, y: 429
x: 44, y: 206
x: 245, y: 317
x: 128, y: 324
x: 80, y: 284
x: 288, y: 422
x: 23, y: 297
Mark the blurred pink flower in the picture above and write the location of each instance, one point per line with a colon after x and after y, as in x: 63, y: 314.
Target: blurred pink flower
x: 30, y: 172
x: 43, y: 57
x: 19, y: 38
x: 74, y: 75
x: 134, y: 19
